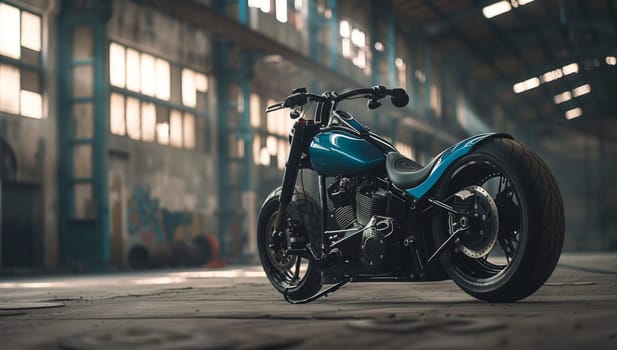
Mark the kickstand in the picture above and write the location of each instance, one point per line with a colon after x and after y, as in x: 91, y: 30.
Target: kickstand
x: 316, y: 296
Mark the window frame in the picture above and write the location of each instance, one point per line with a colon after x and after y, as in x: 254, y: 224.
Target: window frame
x: 170, y: 106
x: 38, y: 69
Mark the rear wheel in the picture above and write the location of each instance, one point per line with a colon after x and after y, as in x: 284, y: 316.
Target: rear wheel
x: 510, y: 222
x: 299, y: 275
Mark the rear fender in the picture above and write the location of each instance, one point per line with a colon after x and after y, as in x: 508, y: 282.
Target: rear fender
x: 448, y: 157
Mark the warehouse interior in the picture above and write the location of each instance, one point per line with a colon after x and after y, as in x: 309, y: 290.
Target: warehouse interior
x: 133, y: 133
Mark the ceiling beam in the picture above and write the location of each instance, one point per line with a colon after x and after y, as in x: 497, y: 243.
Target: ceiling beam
x: 245, y: 38
x: 474, y: 49
x: 227, y: 28
x: 506, y: 41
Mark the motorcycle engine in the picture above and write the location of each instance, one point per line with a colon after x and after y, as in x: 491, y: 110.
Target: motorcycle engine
x: 375, y: 239
x: 361, y: 205
x: 356, y: 202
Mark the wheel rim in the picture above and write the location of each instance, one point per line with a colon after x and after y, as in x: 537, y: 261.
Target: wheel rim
x: 286, y: 271
x: 507, y: 197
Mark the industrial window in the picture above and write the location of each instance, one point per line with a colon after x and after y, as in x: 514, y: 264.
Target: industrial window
x: 270, y: 140
x: 436, y: 100
x: 255, y: 110
x: 401, y: 71
x: 283, y: 11
x: 354, y: 45
x: 20, y: 62
x: 296, y: 17
x: 264, y: 5
x: 154, y: 100
x: 405, y: 149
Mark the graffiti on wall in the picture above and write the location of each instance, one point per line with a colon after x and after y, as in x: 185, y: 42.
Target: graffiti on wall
x: 167, y: 237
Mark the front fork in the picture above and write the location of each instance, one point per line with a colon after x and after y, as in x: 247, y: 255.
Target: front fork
x: 298, y: 142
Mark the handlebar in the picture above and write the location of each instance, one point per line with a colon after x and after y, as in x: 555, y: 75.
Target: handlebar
x: 300, y: 97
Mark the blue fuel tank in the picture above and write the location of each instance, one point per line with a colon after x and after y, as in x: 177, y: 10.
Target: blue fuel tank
x: 338, y: 152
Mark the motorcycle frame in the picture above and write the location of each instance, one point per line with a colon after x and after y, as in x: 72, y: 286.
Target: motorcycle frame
x: 425, y: 254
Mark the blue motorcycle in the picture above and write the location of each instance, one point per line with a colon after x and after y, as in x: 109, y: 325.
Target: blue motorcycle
x: 486, y: 212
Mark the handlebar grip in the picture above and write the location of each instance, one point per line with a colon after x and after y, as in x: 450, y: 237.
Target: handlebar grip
x: 399, y: 98
x: 297, y: 99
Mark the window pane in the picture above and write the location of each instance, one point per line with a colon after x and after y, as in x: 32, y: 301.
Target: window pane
x: 162, y: 133
x: 201, y: 82
x: 84, y: 120
x: 9, y: 31
x: 117, y: 123
x: 83, y: 77
x: 189, y: 97
x: 9, y: 88
x: 271, y: 145
x: 270, y: 121
x: 30, y: 31
x: 255, y: 111
x: 175, y: 128
x: 133, y: 124
x: 147, y: 75
x: 84, y: 202
x: 132, y: 70
x: 256, y: 148
x: 30, y: 57
x: 189, y: 130
x: 162, y: 79
x: 346, y: 47
x: 30, y: 80
x: 175, y: 95
x: 83, y: 45
x: 281, y: 154
x: 31, y: 104
x: 237, y: 147
x: 117, y: 67
x: 82, y: 161
x: 281, y: 10
x: 148, y: 121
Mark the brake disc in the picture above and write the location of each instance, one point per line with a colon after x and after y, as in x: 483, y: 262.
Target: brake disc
x: 481, y: 220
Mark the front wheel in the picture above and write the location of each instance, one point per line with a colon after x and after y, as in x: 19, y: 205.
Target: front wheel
x: 509, y: 222
x: 300, y: 276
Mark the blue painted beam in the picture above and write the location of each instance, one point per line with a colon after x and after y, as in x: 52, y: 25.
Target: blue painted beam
x: 413, y: 66
x: 373, y: 38
x: 222, y: 92
x: 101, y: 132
x: 245, y: 121
x: 427, y: 83
x: 314, y: 24
x: 335, y: 42
x: 243, y: 12
x: 83, y: 241
x: 390, y: 43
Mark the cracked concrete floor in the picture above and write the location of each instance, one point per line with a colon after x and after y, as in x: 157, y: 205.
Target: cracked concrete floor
x: 236, y: 308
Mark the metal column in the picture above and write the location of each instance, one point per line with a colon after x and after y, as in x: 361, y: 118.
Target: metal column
x: 84, y: 234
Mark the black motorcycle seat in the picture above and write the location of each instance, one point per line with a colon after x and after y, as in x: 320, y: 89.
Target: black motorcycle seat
x: 405, y: 172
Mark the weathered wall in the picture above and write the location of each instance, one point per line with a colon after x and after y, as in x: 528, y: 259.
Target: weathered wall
x: 161, y: 195
x: 34, y: 141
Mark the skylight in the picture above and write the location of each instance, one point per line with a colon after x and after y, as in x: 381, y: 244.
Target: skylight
x: 576, y: 92
x: 581, y: 90
x: 551, y: 75
x: 574, y: 113
x: 563, y: 97
x: 501, y: 7
x: 526, y: 85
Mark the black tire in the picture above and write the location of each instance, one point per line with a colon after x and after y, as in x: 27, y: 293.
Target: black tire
x: 535, y: 242
x: 302, y: 209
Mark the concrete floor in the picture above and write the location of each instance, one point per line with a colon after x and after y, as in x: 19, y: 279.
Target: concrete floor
x: 238, y: 309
